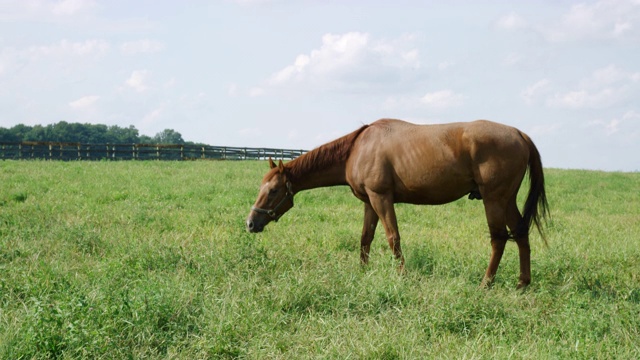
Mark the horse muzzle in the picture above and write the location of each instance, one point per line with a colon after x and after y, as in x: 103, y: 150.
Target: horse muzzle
x: 255, y: 225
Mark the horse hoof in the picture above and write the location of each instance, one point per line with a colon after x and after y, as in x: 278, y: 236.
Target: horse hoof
x: 486, y: 283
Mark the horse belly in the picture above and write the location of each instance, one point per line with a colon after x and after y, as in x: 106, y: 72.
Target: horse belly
x: 434, y: 184
x: 433, y: 193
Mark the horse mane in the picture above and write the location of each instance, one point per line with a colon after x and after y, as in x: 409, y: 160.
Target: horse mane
x: 323, y: 156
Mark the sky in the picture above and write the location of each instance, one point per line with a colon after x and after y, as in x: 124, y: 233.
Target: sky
x: 298, y: 73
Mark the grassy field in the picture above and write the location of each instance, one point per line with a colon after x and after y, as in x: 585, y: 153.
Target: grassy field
x: 151, y: 260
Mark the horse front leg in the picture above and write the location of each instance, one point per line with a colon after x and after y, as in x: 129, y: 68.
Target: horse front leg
x: 368, y: 231
x: 382, y: 204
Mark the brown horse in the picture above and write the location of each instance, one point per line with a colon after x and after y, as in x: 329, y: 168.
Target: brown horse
x: 392, y: 161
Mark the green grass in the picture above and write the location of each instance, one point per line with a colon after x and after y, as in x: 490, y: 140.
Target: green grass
x: 151, y: 260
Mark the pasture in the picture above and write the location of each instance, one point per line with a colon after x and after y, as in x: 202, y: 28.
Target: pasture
x: 146, y: 259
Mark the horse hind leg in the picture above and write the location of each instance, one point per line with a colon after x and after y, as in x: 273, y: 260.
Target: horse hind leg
x: 496, y: 220
x: 520, y: 233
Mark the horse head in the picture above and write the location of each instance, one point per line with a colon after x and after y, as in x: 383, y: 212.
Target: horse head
x: 274, y: 198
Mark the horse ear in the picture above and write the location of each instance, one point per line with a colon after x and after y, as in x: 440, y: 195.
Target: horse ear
x: 280, y: 166
x: 271, y: 164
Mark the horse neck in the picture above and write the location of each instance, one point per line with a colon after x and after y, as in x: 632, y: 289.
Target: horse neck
x: 323, y: 166
x: 314, y: 177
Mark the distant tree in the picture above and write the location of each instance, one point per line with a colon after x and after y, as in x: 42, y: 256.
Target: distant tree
x: 87, y: 134
x: 6, y: 135
x: 38, y: 133
x: 120, y: 135
x: 168, y: 136
x: 97, y: 134
x: 21, y: 131
x: 145, y: 139
x: 61, y: 132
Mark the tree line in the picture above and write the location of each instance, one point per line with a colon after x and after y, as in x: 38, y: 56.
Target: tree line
x: 88, y: 134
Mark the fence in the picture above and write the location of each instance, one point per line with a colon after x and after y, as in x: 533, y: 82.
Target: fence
x: 74, y: 151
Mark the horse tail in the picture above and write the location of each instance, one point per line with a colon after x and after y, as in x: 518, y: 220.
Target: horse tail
x: 536, y: 207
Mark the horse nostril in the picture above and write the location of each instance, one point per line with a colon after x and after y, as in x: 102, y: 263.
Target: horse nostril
x: 250, y: 225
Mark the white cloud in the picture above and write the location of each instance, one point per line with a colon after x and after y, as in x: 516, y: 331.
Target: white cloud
x: 152, y: 117
x: 625, y: 128
x: 609, y: 75
x: 511, y: 21
x: 543, y: 130
x: 442, y: 99
x: 397, y: 52
x: 256, y: 91
x: 64, y: 48
x: 605, y: 87
x: 63, y: 54
x: 400, y: 102
x: 571, y: 99
x: 632, y: 116
x: 44, y: 10
x: 138, y: 80
x: 580, y: 99
x: 232, y: 90
x: 533, y: 92
x: 338, y: 52
x: 169, y: 84
x: 601, y: 20
x: 145, y: 46
x: 84, y: 102
x: 512, y: 59
x: 609, y: 127
x: 71, y: 7
x: 350, y: 60
x: 436, y: 100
